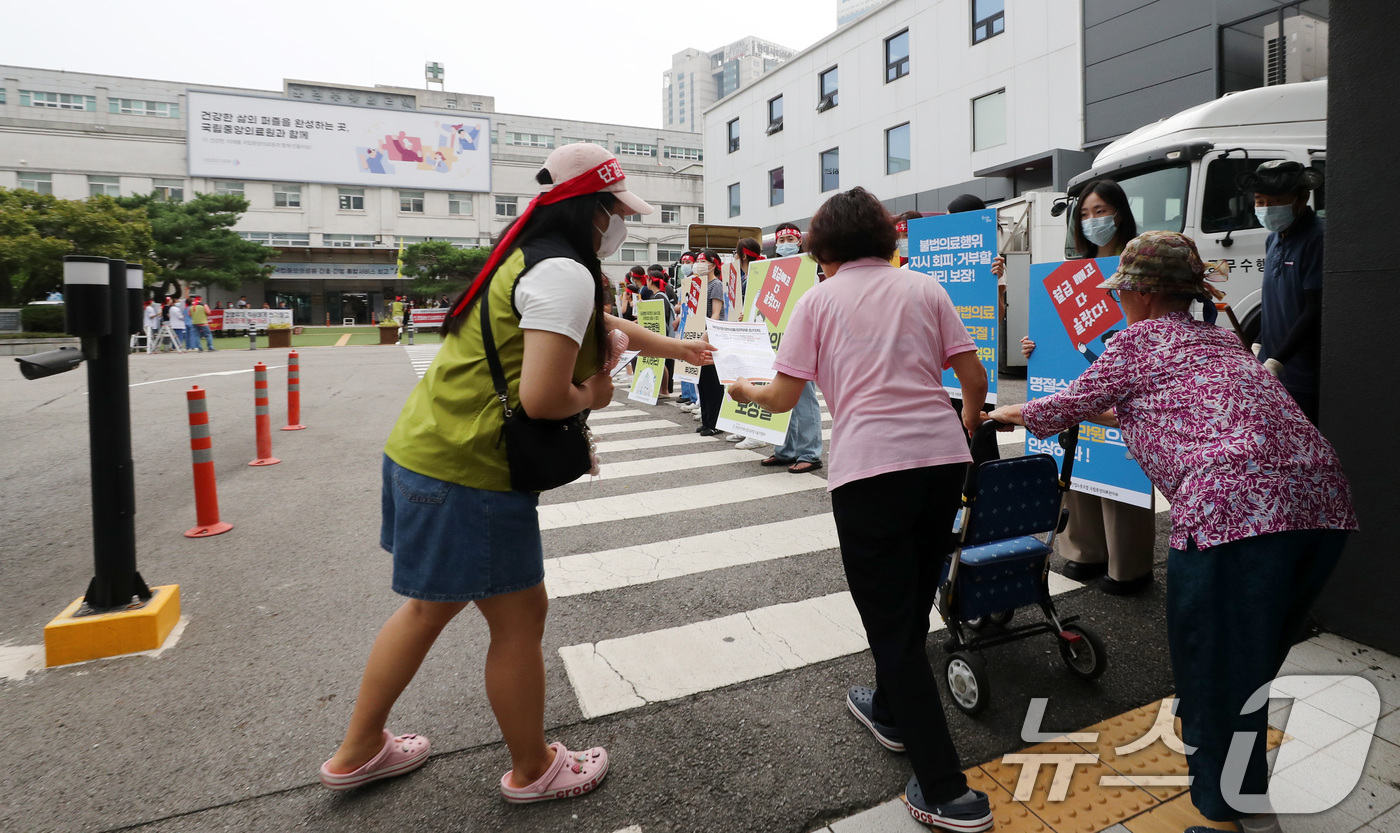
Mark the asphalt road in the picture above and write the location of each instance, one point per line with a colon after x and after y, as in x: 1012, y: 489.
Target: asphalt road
x: 226, y: 728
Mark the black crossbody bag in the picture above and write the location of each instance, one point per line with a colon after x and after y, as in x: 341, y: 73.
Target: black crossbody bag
x: 543, y: 454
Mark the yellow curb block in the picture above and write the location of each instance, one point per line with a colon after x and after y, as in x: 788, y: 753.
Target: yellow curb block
x: 344, y: 340
x: 69, y: 639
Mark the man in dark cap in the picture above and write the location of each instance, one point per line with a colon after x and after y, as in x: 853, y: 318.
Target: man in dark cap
x: 966, y: 202
x: 1290, y: 334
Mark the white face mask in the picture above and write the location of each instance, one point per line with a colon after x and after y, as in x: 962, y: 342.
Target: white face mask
x: 613, y: 235
x: 1275, y: 217
x: 687, y: 269
x: 904, y: 247
x: 702, y: 268
x: 786, y: 249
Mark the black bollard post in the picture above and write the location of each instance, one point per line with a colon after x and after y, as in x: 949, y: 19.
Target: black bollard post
x: 115, y: 580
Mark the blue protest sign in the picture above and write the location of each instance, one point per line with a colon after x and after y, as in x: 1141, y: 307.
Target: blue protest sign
x: 957, y: 251
x: 1071, y: 321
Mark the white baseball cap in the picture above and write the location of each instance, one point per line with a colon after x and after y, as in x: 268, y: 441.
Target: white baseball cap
x: 575, y: 160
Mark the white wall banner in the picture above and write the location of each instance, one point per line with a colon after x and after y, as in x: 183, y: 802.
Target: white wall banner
x: 295, y: 271
x: 251, y: 137
x: 258, y: 319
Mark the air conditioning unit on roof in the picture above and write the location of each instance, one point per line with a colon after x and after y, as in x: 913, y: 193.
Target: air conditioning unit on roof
x: 1297, y: 54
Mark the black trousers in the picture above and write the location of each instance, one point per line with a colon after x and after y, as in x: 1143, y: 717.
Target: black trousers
x: 895, y: 530
x: 711, y: 395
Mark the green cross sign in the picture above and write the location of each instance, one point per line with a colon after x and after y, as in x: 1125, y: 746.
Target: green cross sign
x: 434, y: 71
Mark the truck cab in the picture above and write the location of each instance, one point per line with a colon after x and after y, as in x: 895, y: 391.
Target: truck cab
x: 1179, y: 175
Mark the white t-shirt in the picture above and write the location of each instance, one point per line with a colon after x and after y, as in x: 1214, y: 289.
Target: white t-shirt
x: 152, y: 317
x: 177, y: 317
x: 556, y: 296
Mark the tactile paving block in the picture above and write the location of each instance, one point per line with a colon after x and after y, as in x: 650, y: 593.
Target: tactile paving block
x: 1146, y: 767
x: 1088, y: 806
x: 1009, y: 815
x: 1173, y: 817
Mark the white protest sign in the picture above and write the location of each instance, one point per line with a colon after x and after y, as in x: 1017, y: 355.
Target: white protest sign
x: 742, y: 349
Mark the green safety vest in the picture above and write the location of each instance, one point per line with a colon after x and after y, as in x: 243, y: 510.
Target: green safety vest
x: 450, y: 428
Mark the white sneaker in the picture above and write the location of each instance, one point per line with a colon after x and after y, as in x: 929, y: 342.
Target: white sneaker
x: 733, y: 438
x: 750, y: 443
x: 696, y: 415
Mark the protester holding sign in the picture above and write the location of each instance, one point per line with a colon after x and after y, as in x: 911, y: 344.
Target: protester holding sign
x: 801, y: 450
x: 747, y: 251
x: 1260, y: 507
x: 707, y: 264
x: 1105, y: 538
x: 458, y: 529
x: 876, y: 339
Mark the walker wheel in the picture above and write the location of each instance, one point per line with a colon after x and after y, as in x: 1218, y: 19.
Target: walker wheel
x: 1085, y: 657
x: 968, y: 683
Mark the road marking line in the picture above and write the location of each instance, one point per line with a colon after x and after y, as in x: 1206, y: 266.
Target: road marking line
x: 641, y: 443
x: 343, y: 340
x: 662, y: 465
x: 620, y: 674
x: 202, y: 375
x: 592, y: 572
x: 625, y: 427
x: 686, y: 498
x: 616, y: 414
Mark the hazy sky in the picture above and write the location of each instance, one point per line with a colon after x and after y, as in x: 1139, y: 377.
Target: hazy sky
x: 598, y: 60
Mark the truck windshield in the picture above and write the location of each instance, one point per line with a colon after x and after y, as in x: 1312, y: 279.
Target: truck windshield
x: 1158, y: 197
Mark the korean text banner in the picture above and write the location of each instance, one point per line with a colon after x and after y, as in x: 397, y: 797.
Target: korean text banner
x: 249, y: 137
x: 646, y: 384
x: 774, y: 288
x: 957, y: 251
x: 1071, y: 321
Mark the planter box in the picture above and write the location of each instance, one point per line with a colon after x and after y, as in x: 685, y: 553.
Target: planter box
x: 279, y: 338
x: 389, y: 335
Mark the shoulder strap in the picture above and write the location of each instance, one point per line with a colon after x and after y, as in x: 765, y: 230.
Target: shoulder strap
x: 498, y: 376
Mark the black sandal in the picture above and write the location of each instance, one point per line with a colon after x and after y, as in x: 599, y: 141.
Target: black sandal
x: 777, y: 461
x: 812, y: 465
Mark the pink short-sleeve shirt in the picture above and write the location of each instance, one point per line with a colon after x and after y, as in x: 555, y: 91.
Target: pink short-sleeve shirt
x: 876, y: 339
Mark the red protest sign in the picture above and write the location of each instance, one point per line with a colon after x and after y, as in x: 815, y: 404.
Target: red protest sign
x: 777, y: 285
x: 426, y: 318
x: 1086, y: 311
x: 216, y: 319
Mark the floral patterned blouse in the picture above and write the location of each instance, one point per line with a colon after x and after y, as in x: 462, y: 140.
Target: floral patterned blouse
x: 1212, y: 429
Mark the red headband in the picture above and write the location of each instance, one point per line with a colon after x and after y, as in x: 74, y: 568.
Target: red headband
x: 589, y: 182
x: 751, y: 255
x: 706, y: 258
x: 902, y: 226
x: 687, y: 259
x: 788, y: 230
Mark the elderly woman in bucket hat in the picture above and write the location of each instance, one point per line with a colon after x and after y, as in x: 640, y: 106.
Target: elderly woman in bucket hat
x: 1260, y: 509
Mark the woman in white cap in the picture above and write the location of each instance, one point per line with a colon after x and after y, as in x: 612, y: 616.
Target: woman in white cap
x: 459, y: 533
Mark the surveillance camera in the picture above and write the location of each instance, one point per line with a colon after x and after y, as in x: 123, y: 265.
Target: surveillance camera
x: 50, y: 363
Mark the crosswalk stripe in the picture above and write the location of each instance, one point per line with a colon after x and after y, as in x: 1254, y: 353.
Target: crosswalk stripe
x: 638, y: 468
x: 625, y: 427
x: 573, y: 575
x: 625, y: 673
x: 684, y: 499
x: 618, y: 413
x: 643, y: 443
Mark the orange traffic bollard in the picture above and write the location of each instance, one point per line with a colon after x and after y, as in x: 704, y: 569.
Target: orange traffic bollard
x: 261, y: 418
x: 206, y: 493
x: 293, y: 393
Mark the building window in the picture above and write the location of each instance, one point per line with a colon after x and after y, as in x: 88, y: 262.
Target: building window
x: 459, y: 204
x: 2, y: 95
x: 828, y: 90
x: 352, y: 199
x: 634, y: 254
x: 669, y: 254
x: 988, y: 19
x: 476, y: 105
x: 57, y: 101
x: 170, y: 190
x: 103, y: 186
x: 43, y: 183
x: 635, y: 149
x: 733, y: 135
x: 348, y: 241
x: 831, y: 169
x: 734, y: 200
x: 574, y: 140
x: 227, y: 186
x: 701, y: 217
x: 989, y: 120
x: 286, y: 195
x: 897, y: 149
x: 897, y: 56
x: 530, y: 140
x: 277, y: 238
x: 506, y: 206
x: 670, y: 214
x: 775, y: 115
x: 684, y: 153
x: 632, y: 218
x: 411, y: 202
x: 130, y: 107
x: 775, y: 186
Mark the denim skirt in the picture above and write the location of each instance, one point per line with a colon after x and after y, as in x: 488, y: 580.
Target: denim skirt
x: 453, y: 543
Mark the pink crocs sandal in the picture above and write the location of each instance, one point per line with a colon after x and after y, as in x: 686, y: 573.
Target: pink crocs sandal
x: 572, y: 774
x: 401, y: 754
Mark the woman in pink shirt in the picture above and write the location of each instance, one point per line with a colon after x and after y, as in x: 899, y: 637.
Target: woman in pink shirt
x: 876, y: 340
x: 1260, y: 509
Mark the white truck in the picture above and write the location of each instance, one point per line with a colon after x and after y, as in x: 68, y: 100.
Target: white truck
x: 1179, y: 175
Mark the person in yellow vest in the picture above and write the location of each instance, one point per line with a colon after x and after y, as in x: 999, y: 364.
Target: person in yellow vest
x: 200, y: 334
x: 458, y: 532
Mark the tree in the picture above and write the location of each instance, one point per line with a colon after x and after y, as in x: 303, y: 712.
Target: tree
x: 439, y: 268
x: 37, y: 230
x: 195, y: 243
